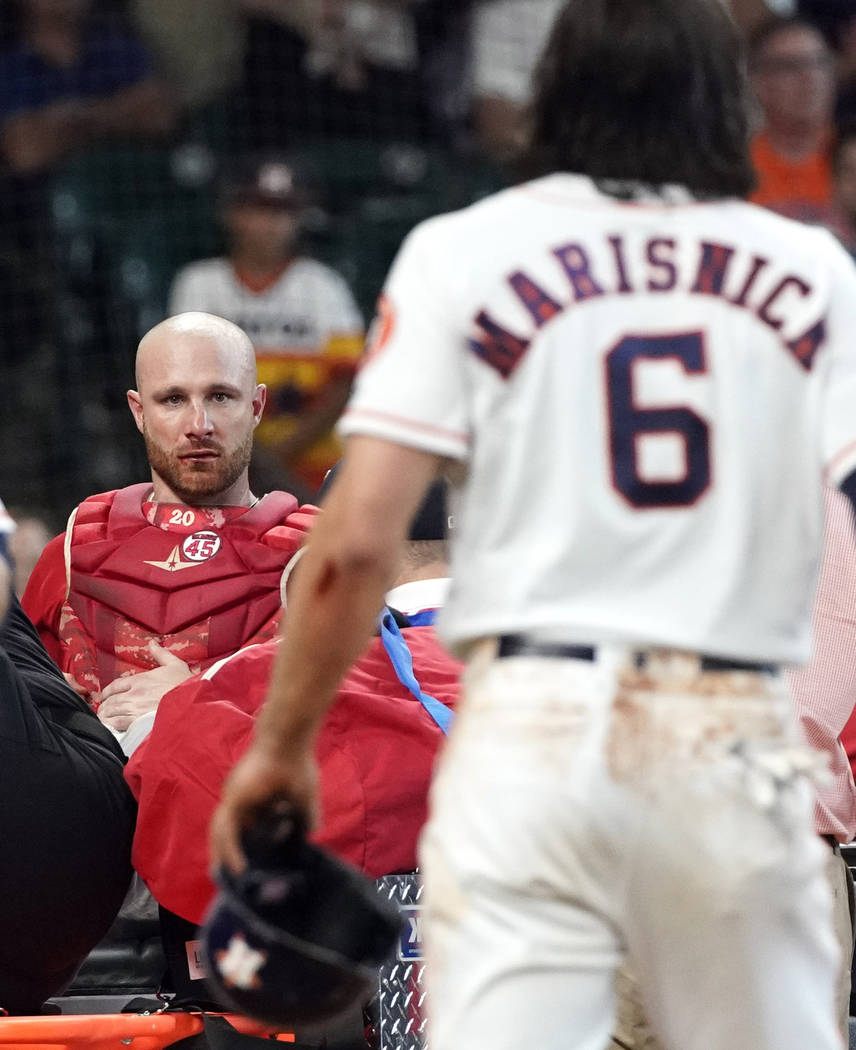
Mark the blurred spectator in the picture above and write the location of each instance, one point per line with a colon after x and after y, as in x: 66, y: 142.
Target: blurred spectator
x: 749, y: 13
x: 68, y: 79
x: 299, y: 314
x: 32, y: 534
x: 73, y: 79
x: 444, y: 41
x: 213, y: 65
x: 793, y: 74
x: 827, y: 15
x: 331, y: 67
x: 846, y: 41
x: 508, y: 36
x: 844, y: 174
x: 344, y: 43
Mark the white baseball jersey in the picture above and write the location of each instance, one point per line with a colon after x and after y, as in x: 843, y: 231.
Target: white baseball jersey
x: 307, y: 306
x: 646, y: 394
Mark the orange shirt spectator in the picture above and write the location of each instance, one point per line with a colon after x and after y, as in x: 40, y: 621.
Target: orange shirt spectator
x: 802, y: 189
x: 793, y: 76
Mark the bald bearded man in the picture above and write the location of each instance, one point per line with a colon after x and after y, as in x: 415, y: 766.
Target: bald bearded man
x: 157, y: 581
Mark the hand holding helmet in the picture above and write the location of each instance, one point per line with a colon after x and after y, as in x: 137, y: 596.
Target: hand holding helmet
x: 297, y: 936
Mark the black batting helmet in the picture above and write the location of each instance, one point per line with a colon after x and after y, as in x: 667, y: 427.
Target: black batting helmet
x: 298, y: 937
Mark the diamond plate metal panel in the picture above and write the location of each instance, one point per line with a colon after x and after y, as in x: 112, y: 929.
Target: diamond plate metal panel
x: 401, y: 992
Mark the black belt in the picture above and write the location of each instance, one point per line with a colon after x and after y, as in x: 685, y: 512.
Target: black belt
x: 520, y: 645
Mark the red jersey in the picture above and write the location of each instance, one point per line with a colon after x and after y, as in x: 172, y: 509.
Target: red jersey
x: 376, y: 751
x: 201, y: 581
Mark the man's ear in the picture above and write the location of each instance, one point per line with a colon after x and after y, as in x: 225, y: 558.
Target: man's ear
x: 136, y: 406
x: 259, y: 401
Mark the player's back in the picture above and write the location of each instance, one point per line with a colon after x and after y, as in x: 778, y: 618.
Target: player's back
x: 649, y: 404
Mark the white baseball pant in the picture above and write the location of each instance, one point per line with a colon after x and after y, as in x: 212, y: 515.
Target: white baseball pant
x: 585, y: 809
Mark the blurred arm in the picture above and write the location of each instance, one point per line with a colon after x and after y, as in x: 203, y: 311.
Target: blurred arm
x: 35, y: 139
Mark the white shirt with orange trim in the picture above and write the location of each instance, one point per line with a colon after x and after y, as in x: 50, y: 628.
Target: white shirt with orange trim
x: 306, y: 307
x: 646, y: 395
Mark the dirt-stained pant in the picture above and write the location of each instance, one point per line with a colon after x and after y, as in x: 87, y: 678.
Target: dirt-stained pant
x: 584, y: 810
x: 632, y: 1030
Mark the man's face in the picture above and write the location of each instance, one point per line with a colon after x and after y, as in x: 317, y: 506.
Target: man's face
x: 794, y: 79
x: 197, y: 406
x: 266, y: 231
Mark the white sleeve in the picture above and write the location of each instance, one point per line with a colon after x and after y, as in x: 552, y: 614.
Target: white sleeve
x: 838, y: 408
x: 342, y: 313
x: 412, y: 383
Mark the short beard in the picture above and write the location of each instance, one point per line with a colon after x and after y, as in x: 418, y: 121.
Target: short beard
x: 203, y: 486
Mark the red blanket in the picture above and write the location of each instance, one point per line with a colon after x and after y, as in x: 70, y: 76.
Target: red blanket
x: 376, y: 752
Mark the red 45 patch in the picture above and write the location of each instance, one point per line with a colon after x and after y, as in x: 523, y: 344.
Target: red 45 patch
x: 200, y: 546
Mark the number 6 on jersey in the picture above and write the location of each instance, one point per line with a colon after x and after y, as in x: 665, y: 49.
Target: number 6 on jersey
x: 629, y: 424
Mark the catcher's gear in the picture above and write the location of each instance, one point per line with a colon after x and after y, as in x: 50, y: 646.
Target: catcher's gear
x: 296, y: 939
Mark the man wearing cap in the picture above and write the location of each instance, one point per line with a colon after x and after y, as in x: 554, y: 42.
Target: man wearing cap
x: 300, y: 315
x: 376, y: 750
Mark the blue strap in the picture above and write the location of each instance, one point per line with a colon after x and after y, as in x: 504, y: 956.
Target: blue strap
x: 402, y: 663
x: 425, y: 618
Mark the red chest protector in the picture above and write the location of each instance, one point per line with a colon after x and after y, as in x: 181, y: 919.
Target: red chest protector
x: 199, y: 581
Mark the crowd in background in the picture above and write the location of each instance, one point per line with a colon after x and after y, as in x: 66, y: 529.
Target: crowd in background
x: 121, y: 122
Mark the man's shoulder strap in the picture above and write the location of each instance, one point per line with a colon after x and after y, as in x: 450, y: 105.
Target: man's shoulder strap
x: 290, y: 533
x: 93, y: 514
x: 90, y: 520
x: 94, y: 509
